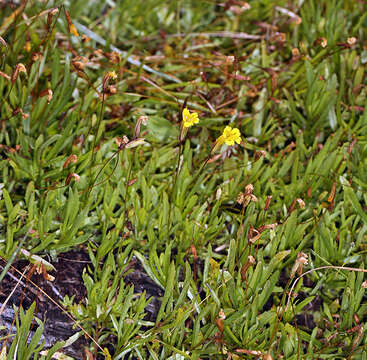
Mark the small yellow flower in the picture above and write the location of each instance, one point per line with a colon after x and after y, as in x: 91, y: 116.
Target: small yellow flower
x: 72, y: 30
x: 27, y: 46
x: 189, y: 119
x: 229, y: 136
x: 112, y: 75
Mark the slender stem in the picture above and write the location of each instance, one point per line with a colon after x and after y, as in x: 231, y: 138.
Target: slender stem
x: 93, y: 155
x: 99, y: 172
x: 201, y: 169
x: 174, y: 186
x: 126, y: 194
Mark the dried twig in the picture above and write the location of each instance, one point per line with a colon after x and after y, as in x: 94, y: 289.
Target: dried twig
x: 130, y: 59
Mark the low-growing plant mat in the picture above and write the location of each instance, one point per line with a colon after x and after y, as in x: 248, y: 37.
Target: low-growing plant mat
x: 210, y: 155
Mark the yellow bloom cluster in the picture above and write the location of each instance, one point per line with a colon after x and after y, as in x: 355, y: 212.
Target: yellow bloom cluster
x: 229, y: 136
x: 112, y: 75
x: 189, y: 119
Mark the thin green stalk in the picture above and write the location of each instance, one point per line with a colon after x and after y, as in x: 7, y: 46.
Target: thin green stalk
x: 174, y: 185
x: 93, y: 155
x: 126, y: 194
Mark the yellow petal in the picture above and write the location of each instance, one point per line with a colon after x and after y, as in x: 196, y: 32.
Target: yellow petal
x: 73, y: 30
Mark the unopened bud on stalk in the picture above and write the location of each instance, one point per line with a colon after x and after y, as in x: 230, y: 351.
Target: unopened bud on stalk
x: 141, y: 120
x: 72, y: 28
x: 5, y: 76
x: 302, y: 259
x: 250, y: 262
x: 18, y: 69
x: 111, y: 90
x: 48, y: 93
x: 301, y: 203
x: 71, y: 159
x: 122, y: 142
x: 108, y: 76
x: 249, y: 189
x: 79, y: 65
x: 50, y: 15
x: 245, y: 198
x: 3, y: 42
x: 135, y: 143
x: 36, y: 56
x: 71, y: 176
x: 259, y: 154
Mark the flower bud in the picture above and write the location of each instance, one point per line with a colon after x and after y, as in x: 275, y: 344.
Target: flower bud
x: 135, y: 143
x: 141, y: 120
x: 18, y: 69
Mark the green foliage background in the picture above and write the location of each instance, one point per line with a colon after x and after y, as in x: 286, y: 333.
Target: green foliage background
x: 303, y: 118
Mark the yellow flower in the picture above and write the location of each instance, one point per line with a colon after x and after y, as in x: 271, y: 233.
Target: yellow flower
x: 72, y: 30
x: 112, y: 75
x: 189, y: 119
x: 229, y: 136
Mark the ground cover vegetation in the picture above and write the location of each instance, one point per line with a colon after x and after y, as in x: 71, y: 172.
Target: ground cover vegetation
x: 220, y: 145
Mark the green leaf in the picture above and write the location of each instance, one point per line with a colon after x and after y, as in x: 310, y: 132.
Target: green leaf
x: 352, y: 197
x: 161, y: 129
x: 7, y: 199
x: 147, y: 268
